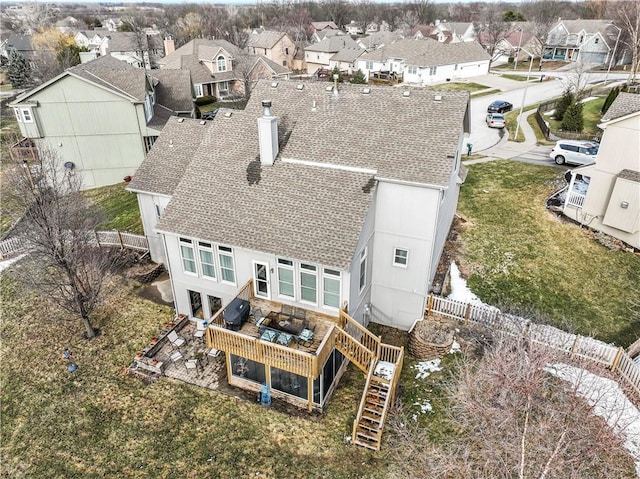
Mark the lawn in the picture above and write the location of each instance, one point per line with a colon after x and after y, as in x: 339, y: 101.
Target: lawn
x: 120, y: 206
x: 591, y: 115
x: 461, y: 86
x: 514, y: 77
x: 519, y: 256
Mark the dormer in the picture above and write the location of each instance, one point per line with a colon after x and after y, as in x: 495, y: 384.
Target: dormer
x: 221, y: 63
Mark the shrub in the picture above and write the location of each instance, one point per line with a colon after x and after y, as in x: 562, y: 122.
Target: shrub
x: 205, y: 100
x: 572, y: 120
x: 562, y: 105
x: 358, y: 77
x: 612, y: 96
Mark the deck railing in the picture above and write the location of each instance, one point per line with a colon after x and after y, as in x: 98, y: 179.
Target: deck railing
x: 360, y: 333
x: 585, y: 347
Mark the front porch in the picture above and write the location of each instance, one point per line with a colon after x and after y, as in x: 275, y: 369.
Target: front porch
x: 384, y: 77
x: 24, y: 151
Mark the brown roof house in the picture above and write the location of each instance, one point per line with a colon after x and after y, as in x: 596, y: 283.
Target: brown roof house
x: 318, y: 55
x: 292, y: 224
x: 220, y: 69
x: 605, y: 196
x: 276, y: 46
x: 424, y: 61
x: 101, y: 117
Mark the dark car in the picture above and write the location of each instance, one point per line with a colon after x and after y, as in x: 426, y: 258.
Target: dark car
x: 209, y: 115
x: 500, y: 106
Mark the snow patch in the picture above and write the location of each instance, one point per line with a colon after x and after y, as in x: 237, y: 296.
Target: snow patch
x: 608, y: 401
x: 8, y: 262
x: 459, y: 289
x: 425, y: 368
x: 425, y: 406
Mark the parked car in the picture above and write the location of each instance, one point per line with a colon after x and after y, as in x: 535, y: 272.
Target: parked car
x: 209, y: 115
x: 495, y: 120
x: 574, y: 152
x: 499, y: 106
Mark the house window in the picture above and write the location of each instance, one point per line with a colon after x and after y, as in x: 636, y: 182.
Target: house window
x: 196, y: 304
x: 223, y: 87
x: 286, y: 51
x: 227, y: 271
x: 158, y: 210
x: 318, y: 55
x: 308, y: 283
x: 265, y: 51
x: 284, y: 63
x: 148, y: 142
x: 222, y: 64
x: 331, y: 288
x: 597, y: 40
x: 215, y: 305
x: 198, y: 89
x: 18, y: 115
x: 413, y: 70
x: 188, y: 258
x: 206, y: 260
x: 455, y: 67
x: 363, y: 269
x: 369, y: 65
x: 26, y: 115
x: 432, y: 70
x: 285, y: 278
x: 400, y: 257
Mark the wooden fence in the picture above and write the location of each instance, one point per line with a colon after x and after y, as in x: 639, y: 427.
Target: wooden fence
x: 607, y: 355
x: 14, y: 246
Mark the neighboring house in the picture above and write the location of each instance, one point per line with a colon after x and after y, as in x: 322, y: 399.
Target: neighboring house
x: 520, y: 44
x: 346, y: 60
x: 587, y: 41
x: 67, y: 25
x: 276, y: 46
x: 317, y: 37
x: 379, y: 39
x: 425, y: 61
x: 354, y: 28
x: 101, y: 117
x: 605, y: 196
x: 23, y: 45
x: 142, y: 50
x: 318, y: 55
x: 453, y: 32
x: 220, y: 69
x: 92, y: 41
x: 112, y: 24
x: 323, y: 26
x: 332, y: 203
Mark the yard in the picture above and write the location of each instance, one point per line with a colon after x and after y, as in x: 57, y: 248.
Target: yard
x: 462, y: 86
x: 524, y: 259
x: 591, y: 115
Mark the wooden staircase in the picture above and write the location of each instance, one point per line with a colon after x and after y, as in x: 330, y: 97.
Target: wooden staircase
x: 367, y: 351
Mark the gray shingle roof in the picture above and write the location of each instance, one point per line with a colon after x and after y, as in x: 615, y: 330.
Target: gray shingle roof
x: 266, y: 39
x: 115, y: 75
x: 624, y: 104
x: 201, y: 48
x: 333, y: 44
x: 630, y: 175
x: 605, y: 27
x: 425, y: 52
x: 347, y: 55
x: 174, y: 89
x: 170, y: 155
x: 305, y: 212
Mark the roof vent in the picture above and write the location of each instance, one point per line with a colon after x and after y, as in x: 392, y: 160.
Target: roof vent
x: 227, y: 114
x: 203, y: 122
x: 274, y: 84
x: 328, y: 88
x: 170, y: 143
x: 180, y: 120
x: 366, y: 91
x: 313, y: 106
x: 437, y: 98
x: 299, y: 86
x: 406, y: 94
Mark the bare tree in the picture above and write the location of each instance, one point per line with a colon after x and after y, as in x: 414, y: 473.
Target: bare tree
x: 492, y: 30
x: 627, y: 14
x: 63, y: 263
x: 509, y: 417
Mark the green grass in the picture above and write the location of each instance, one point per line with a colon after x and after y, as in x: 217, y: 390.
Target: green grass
x: 6, y: 87
x: 590, y: 113
x: 485, y: 92
x: 516, y: 253
x: 120, y: 206
x: 540, y: 138
x: 238, y: 105
x: 461, y: 86
x: 514, y: 77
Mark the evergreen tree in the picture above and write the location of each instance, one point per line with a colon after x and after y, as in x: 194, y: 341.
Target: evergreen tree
x: 612, y: 96
x: 358, y: 77
x: 563, y: 103
x: 18, y: 71
x: 572, y: 120
x: 336, y: 71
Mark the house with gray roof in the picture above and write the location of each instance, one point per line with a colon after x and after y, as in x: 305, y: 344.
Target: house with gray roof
x: 276, y: 46
x: 318, y: 55
x: 425, y: 61
x: 220, y: 69
x: 587, y: 41
x: 318, y: 209
x: 101, y: 117
x: 346, y: 60
x: 451, y: 32
x: 605, y: 195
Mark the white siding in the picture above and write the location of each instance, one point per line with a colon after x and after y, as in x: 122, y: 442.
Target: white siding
x: 150, y: 206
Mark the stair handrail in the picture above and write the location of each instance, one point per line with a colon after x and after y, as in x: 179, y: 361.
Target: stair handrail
x: 370, y: 337
x: 356, y: 421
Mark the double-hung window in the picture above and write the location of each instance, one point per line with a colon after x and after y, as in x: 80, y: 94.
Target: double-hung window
x: 363, y: 269
x: 206, y: 260
x: 227, y: 271
x: 285, y: 278
x: 432, y: 70
x: 413, y: 70
x: 18, y: 115
x: 369, y: 65
x: 222, y: 63
x: 400, y: 257
x: 331, y: 288
x: 308, y: 283
x: 26, y: 115
x: 188, y: 257
x: 198, y: 88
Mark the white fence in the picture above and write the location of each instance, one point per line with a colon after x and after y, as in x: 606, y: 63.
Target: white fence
x: 14, y: 246
x: 581, y: 346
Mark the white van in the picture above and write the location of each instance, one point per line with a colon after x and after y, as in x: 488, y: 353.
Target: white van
x: 574, y: 152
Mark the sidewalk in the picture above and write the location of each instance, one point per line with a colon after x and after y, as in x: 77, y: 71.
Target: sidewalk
x: 511, y: 149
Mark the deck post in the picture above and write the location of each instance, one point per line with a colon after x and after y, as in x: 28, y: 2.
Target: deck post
x: 97, y: 238
x: 310, y: 393
x: 120, y: 239
x: 467, y: 314
x: 429, y: 305
x: 616, y: 360
x: 576, y: 342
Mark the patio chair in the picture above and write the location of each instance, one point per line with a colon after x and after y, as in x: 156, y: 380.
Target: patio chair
x: 175, y: 340
x: 300, y: 313
x: 191, y: 364
x: 287, y: 310
x: 201, y: 327
x: 176, y: 356
x: 258, y: 315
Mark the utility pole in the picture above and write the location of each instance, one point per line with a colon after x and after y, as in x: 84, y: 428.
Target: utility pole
x: 524, y: 95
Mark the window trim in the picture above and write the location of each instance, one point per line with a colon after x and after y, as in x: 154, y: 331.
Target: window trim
x: 335, y: 275
x: 198, y: 90
x: 311, y: 270
x: 28, y: 118
x: 282, y: 263
x: 221, y: 60
x: 396, y: 249
x: 208, y: 247
x: 362, y: 275
x: 227, y: 251
x: 188, y: 243
x: 16, y: 111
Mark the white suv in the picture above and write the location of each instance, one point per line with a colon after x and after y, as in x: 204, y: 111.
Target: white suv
x: 574, y: 152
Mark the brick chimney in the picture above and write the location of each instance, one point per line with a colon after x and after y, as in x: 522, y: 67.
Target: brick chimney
x: 169, y: 45
x: 268, y: 135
